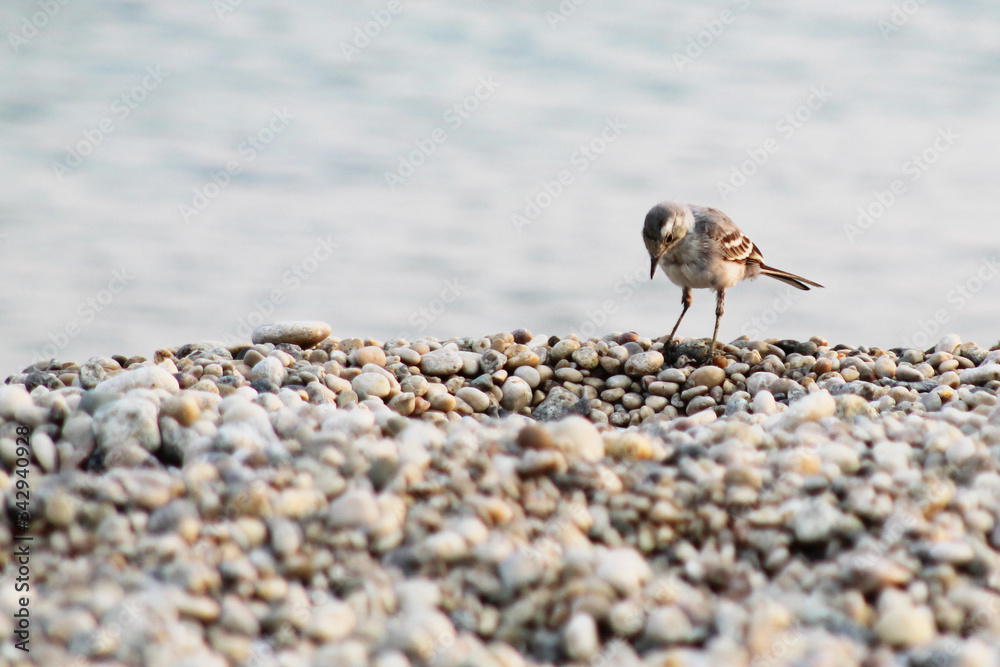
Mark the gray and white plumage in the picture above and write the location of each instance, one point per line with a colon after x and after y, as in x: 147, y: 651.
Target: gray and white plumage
x: 701, y: 248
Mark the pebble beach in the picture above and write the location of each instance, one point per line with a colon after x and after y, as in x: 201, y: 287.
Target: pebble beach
x: 511, y: 500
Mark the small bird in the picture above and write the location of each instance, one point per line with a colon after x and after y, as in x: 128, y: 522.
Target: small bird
x: 700, y: 247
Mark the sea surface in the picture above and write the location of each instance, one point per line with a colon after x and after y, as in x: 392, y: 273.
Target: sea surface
x: 180, y: 172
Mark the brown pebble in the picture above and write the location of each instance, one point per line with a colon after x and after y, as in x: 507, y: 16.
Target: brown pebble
x: 522, y: 336
x: 183, y: 407
x: 534, y: 437
x: 629, y: 337
x: 822, y: 365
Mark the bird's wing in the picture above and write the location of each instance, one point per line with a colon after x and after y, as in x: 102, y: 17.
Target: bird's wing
x: 733, y: 244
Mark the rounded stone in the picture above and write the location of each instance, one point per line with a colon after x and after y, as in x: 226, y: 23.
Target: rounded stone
x: 404, y: 403
x: 92, y: 374
x: 530, y: 375
x: 182, y: 407
x: 586, y: 357
x: 441, y: 363
x: 491, y: 361
x: 764, y: 403
x: 369, y: 354
x: 517, y: 394
x: 371, y: 384
x: 355, y: 508
x: 624, y: 569
x: 706, y: 376
x: 44, y: 451
x: 903, y: 624
x: 60, y: 508
x: 645, y: 363
x: 521, y: 336
x: 476, y: 399
x: 885, y: 367
x: 579, y: 437
x: 559, y: 403
x: 305, y: 334
x: 147, y: 377
x: 580, y: 637
x: 331, y: 622
x: 563, y: 349
x: 125, y: 422
x: 270, y: 369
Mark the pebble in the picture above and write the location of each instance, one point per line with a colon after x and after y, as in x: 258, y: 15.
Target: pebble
x: 44, y: 451
x: 901, y: 623
x: 811, y: 407
x: 577, y: 437
x: 476, y: 399
x: 980, y: 376
x: 148, y: 377
x: 516, y: 394
x: 333, y: 621
x: 441, y: 362
x: 706, y: 376
x: 370, y: 354
x: 835, y: 504
x: 580, y: 637
x: 764, y: 403
x: 563, y: 349
x: 644, y: 363
x: 624, y: 569
x: 355, y: 508
x: 586, y: 358
x: 183, y: 407
x: 371, y: 384
x: 304, y: 334
x: 270, y: 369
x: 92, y: 374
x: 530, y: 375
x: 559, y: 404
x: 127, y: 421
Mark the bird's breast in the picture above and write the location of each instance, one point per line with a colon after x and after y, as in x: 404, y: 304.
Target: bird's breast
x: 687, y: 267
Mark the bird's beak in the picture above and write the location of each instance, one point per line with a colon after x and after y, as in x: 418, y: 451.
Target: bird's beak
x: 652, y: 267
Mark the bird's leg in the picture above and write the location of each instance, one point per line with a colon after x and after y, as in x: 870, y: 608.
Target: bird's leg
x: 720, y: 302
x: 686, y: 302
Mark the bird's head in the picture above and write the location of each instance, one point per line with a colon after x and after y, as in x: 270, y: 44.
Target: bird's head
x: 666, y: 224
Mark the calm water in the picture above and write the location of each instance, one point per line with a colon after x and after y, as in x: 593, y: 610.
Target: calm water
x: 179, y: 173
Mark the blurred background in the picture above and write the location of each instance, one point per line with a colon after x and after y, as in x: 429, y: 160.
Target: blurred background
x: 181, y: 172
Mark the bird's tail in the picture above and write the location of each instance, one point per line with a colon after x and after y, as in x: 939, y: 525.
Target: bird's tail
x: 786, y: 277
